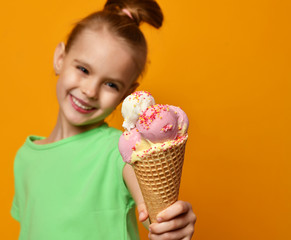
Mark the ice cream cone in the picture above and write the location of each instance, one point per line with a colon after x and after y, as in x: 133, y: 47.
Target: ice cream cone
x: 159, y: 175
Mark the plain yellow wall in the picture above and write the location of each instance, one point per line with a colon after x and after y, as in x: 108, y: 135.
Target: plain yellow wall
x: 226, y: 63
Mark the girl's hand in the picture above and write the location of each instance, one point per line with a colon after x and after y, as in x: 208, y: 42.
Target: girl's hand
x: 175, y: 222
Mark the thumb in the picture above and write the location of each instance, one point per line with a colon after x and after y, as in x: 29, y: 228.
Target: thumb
x: 142, y: 212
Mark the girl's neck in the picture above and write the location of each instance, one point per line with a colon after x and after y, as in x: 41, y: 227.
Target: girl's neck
x: 64, y: 130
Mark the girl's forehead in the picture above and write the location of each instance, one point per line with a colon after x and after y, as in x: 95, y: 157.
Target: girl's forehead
x: 104, y: 52
x: 101, y: 37
x: 100, y: 44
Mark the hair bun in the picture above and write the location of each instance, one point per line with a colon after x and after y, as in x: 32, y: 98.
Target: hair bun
x: 138, y: 10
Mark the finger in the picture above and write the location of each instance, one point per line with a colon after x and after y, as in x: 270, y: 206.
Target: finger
x: 167, y: 226
x: 176, y: 209
x: 183, y: 233
x: 142, y: 212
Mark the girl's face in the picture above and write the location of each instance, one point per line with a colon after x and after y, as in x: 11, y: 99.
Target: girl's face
x: 94, y: 76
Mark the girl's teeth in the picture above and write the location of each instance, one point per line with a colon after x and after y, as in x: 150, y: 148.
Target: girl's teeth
x: 80, y: 105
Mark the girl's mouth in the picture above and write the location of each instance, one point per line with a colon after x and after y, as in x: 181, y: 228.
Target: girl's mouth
x: 81, y: 106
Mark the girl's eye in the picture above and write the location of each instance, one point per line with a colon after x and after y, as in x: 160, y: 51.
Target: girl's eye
x: 112, y: 85
x: 84, y: 70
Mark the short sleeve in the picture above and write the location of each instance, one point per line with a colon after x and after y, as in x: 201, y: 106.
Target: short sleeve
x: 15, y: 210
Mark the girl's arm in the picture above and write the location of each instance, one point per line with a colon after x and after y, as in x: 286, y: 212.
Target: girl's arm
x: 175, y: 222
x: 133, y: 187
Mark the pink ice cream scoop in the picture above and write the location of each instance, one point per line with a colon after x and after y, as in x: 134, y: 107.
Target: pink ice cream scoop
x: 183, y: 121
x: 158, y: 123
x: 127, y: 143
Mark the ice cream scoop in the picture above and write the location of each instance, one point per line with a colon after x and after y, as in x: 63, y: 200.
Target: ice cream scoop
x: 130, y: 142
x: 127, y: 144
x: 133, y: 106
x: 158, y: 123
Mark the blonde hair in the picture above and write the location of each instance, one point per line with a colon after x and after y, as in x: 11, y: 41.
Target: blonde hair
x: 123, y: 18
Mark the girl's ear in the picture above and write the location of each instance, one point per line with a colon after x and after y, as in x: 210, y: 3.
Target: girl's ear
x: 59, y: 57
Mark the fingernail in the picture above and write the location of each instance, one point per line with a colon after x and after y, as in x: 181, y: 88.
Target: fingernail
x: 150, y: 230
x: 159, y: 219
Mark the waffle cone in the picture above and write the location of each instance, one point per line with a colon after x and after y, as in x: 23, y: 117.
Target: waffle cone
x: 159, y: 175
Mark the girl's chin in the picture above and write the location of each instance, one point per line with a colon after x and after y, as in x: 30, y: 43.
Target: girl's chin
x: 87, y: 123
x: 85, y: 120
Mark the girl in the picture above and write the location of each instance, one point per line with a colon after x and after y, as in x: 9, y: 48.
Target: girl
x: 73, y: 184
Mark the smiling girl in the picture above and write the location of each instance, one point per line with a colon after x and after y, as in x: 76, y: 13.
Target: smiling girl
x: 73, y: 184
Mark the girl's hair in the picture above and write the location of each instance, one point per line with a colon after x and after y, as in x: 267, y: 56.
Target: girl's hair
x: 122, y: 18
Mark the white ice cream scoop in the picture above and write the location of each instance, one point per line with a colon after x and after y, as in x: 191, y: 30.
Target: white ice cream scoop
x: 133, y: 106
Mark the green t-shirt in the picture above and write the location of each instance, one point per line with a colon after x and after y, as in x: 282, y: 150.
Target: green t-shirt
x: 73, y: 189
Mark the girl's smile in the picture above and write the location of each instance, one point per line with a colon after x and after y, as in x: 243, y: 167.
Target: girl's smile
x: 81, y: 106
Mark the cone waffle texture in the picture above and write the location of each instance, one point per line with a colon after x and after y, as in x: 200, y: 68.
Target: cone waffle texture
x: 159, y: 176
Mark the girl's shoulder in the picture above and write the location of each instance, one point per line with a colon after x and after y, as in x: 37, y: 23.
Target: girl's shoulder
x: 101, y: 132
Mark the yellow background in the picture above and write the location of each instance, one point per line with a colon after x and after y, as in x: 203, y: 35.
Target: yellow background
x: 226, y: 63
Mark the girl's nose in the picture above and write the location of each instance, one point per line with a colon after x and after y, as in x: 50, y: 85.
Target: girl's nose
x: 90, y: 88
